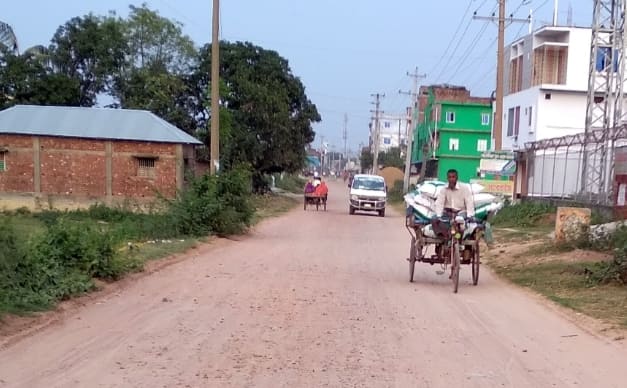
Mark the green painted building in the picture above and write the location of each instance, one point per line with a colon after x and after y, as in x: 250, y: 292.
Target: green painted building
x: 452, y: 135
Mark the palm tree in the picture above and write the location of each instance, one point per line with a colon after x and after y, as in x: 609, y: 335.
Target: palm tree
x: 8, y: 38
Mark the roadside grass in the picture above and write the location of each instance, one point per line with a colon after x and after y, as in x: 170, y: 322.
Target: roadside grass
x: 267, y: 206
x: 154, y: 250
x: 567, y: 284
x: 290, y: 183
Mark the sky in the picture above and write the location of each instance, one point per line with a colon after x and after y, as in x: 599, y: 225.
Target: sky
x: 343, y: 50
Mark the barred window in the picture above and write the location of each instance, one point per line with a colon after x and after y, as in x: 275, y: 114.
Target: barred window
x: 146, y: 167
x: 3, y: 164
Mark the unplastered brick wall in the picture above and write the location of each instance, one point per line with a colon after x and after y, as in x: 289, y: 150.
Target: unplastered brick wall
x: 17, y: 175
x: 125, y: 166
x: 78, y: 167
x: 447, y: 93
x: 72, y: 166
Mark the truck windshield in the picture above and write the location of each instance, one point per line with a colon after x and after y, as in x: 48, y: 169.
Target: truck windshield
x: 369, y: 184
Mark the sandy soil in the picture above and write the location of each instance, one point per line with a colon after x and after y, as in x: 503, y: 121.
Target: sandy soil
x: 313, y: 299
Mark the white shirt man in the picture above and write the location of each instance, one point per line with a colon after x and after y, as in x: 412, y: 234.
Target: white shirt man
x: 455, y: 196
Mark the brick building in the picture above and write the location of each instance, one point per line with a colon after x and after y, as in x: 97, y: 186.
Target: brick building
x: 93, y: 154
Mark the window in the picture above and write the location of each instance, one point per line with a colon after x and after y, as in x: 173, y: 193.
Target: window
x: 146, y: 167
x: 547, y: 96
x: 530, y: 115
x: 517, y: 121
x: 482, y: 145
x: 510, y: 122
x: 386, y: 124
x: 387, y: 140
x: 3, y: 165
x: 450, y: 117
x: 603, y: 59
x: 485, y: 119
x: 453, y: 144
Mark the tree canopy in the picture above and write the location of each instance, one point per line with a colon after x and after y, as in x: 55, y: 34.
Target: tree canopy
x: 145, y: 61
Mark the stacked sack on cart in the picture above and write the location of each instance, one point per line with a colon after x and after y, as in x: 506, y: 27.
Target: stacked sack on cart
x: 421, y: 203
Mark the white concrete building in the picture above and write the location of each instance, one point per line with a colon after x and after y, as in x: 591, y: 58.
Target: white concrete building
x: 393, y: 132
x: 546, y: 83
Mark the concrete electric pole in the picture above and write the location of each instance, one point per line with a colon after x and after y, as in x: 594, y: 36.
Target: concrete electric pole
x: 377, y: 131
x: 497, y: 129
x: 214, y: 166
x: 345, y: 138
x: 412, y: 125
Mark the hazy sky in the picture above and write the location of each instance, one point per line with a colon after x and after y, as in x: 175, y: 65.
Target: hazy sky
x: 343, y: 50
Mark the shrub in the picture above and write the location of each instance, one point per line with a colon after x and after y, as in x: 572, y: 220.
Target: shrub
x: 526, y: 214
x: 77, y: 246
x: 214, y: 204
x: 396, y: 193
x: 614, y: 271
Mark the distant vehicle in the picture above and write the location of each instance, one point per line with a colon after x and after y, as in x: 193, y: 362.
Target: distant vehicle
x: 367, y: 193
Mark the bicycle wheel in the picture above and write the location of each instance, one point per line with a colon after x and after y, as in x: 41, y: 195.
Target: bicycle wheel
x: 412, y: 259
x: 476, y: 261
x: 455, y: 262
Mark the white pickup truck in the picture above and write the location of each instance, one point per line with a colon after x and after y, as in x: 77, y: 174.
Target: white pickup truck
x: 368, y: 193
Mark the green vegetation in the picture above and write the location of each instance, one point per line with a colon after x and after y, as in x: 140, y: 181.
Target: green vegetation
x: 290, y: 183
x: 524, y: 215
x: 396, y: 194
x: 569, y: 285
x: 49, y: 256
x: 594, y: 285
x: 267, y: 206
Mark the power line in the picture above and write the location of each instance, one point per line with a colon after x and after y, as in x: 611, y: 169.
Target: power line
x: 459, y: 42
x: 469, y: 50
x: 450, y: 43
x: 443, y: 70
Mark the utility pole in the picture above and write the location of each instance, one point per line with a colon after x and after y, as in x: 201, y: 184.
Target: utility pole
x: 214, y: 166
x: 377, y: 131
x: 497, y: 128
x: 345, y: 137
x: 413, y: 120
x: 321, y: 154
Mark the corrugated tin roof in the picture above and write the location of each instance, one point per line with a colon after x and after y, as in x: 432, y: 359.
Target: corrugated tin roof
x: 94, y: 123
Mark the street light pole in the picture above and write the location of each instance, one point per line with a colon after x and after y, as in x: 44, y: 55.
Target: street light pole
x: 214, y: 166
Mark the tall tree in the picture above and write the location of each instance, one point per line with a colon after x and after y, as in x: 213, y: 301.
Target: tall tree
x: 158, y: 43
x: 159, y: 59
x: 91, y: 50
x: 271, y: 114
x: 25, y: 79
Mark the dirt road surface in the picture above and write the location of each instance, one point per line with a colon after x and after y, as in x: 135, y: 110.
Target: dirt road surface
x: 314, y: 300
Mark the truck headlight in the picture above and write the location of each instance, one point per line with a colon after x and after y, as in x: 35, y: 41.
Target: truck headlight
x: 354, y: 198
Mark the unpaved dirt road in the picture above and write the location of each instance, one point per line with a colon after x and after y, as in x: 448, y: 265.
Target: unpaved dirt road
x: 312, y: 300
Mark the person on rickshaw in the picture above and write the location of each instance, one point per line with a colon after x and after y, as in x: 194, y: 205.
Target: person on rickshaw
x: 322, y: 189
x: 309, y: 187
x: 451, y: 200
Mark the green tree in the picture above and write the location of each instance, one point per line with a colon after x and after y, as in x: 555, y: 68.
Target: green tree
x: 270, y: 112
x: 25, y: 79
x: 91, y: 50
x: 391, y: 158
x: 366, y: 159
x: 156, y: 42
x: 156, y: 76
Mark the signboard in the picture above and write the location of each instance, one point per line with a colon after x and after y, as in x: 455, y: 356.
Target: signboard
x: 505, y: 188
x: 497, y: 163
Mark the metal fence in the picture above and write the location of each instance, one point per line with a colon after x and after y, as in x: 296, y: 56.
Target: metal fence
x: 555, y: 167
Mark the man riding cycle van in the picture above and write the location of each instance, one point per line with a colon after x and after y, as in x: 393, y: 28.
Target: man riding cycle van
x: 451, y: 200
